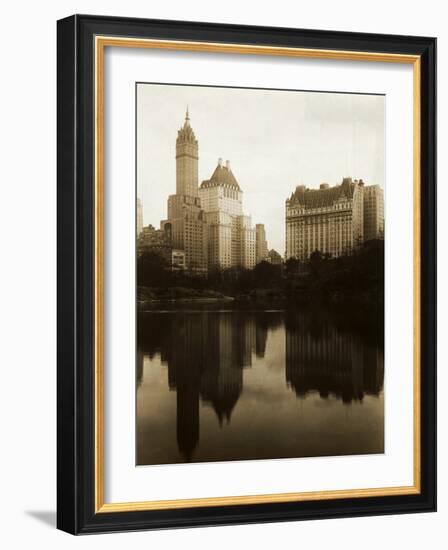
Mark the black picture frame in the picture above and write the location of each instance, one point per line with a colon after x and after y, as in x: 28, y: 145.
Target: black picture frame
x: 76, y: 271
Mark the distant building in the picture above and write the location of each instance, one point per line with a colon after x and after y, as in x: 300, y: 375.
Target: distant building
x: 206, y: 223
x: 231, y: 238
x: 139, y: 220
x: 155, y: 240
x: 274, y: 257
x: 160, y: 242
x: 329, y: 219
x: 189, y: 230
x: 373, y: 212
x: 178, y: 262
x: 261, y: 245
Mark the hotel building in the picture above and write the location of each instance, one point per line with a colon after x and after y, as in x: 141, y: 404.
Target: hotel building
x: 231, y: 238
x: 207, y: 223
x: 331, y: 219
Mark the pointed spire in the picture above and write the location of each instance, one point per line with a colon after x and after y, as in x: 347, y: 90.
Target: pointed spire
x: 185, y: 132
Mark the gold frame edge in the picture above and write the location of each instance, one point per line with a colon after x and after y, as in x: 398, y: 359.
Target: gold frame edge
x: 101, y: 42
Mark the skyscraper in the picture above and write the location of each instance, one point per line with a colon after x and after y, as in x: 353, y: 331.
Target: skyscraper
x: 261, y: 243
x: 231, y: 235
x: 188, y: 226
x: 139, y: 217
x: 373, y: 212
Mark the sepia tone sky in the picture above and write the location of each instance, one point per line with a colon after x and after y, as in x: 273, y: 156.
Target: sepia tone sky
x: 275, y: 140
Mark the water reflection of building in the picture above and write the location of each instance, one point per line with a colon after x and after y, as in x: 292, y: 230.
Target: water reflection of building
x: 206, y: 353
x: 261, y: 336
x: 185, y: 359
x: 139, y: 367
x: 331, y: 362
x: 222, y: 381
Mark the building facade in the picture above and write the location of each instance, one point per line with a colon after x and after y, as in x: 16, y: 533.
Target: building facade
x: 274, y: 257
x: 139, y: 215
x: 178, y: 262
x: 206, y: 226
x: 373, y: 212
x: 159, y: 241
x: 155, y: 240
x: 189, y: 230
x: 261, y: 245
x: 329, y: 219
x: 231, y: 237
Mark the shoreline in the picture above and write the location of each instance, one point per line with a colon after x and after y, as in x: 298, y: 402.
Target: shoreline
x: 192, y: 299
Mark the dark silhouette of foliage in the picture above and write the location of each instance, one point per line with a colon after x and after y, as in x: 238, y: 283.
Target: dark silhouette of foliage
x: 358, y: 276
x: 265, y: 275
x: 292, y: 267
x: 152, y: 269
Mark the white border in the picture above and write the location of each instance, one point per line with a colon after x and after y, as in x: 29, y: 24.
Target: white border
x: 123, y: 481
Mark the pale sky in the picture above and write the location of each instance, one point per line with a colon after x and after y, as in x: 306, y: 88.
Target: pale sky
x: 275, y: 140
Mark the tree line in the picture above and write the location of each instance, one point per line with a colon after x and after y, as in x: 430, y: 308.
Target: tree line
x: 356, y: 275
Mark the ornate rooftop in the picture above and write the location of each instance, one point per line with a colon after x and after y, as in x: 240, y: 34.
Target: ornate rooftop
x: 186, y: 134
x: 325, y: 196
x: 222, y: 176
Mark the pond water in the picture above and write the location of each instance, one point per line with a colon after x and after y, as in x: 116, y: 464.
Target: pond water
x: 232, y: 384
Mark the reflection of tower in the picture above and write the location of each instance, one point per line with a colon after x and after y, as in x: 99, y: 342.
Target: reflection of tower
x: 205, y: 353
x: 373, y: 370
x: 222, y: 380
x: 249, y: 337
x: 189, y: 231
x: 261, y: 335
x: 329, y: 361
x: 139, y: 366
x: 187, y: 418
x: 185, y: 364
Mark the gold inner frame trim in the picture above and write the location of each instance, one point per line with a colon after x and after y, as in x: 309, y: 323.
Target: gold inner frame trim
x: 101, y: 42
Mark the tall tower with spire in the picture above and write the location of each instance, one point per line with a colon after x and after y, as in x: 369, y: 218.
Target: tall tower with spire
x: 187, y: 160
x: 186, y: 219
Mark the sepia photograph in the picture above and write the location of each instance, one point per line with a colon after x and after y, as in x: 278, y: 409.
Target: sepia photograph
x: 246, y: 265
x: 259, y: 273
